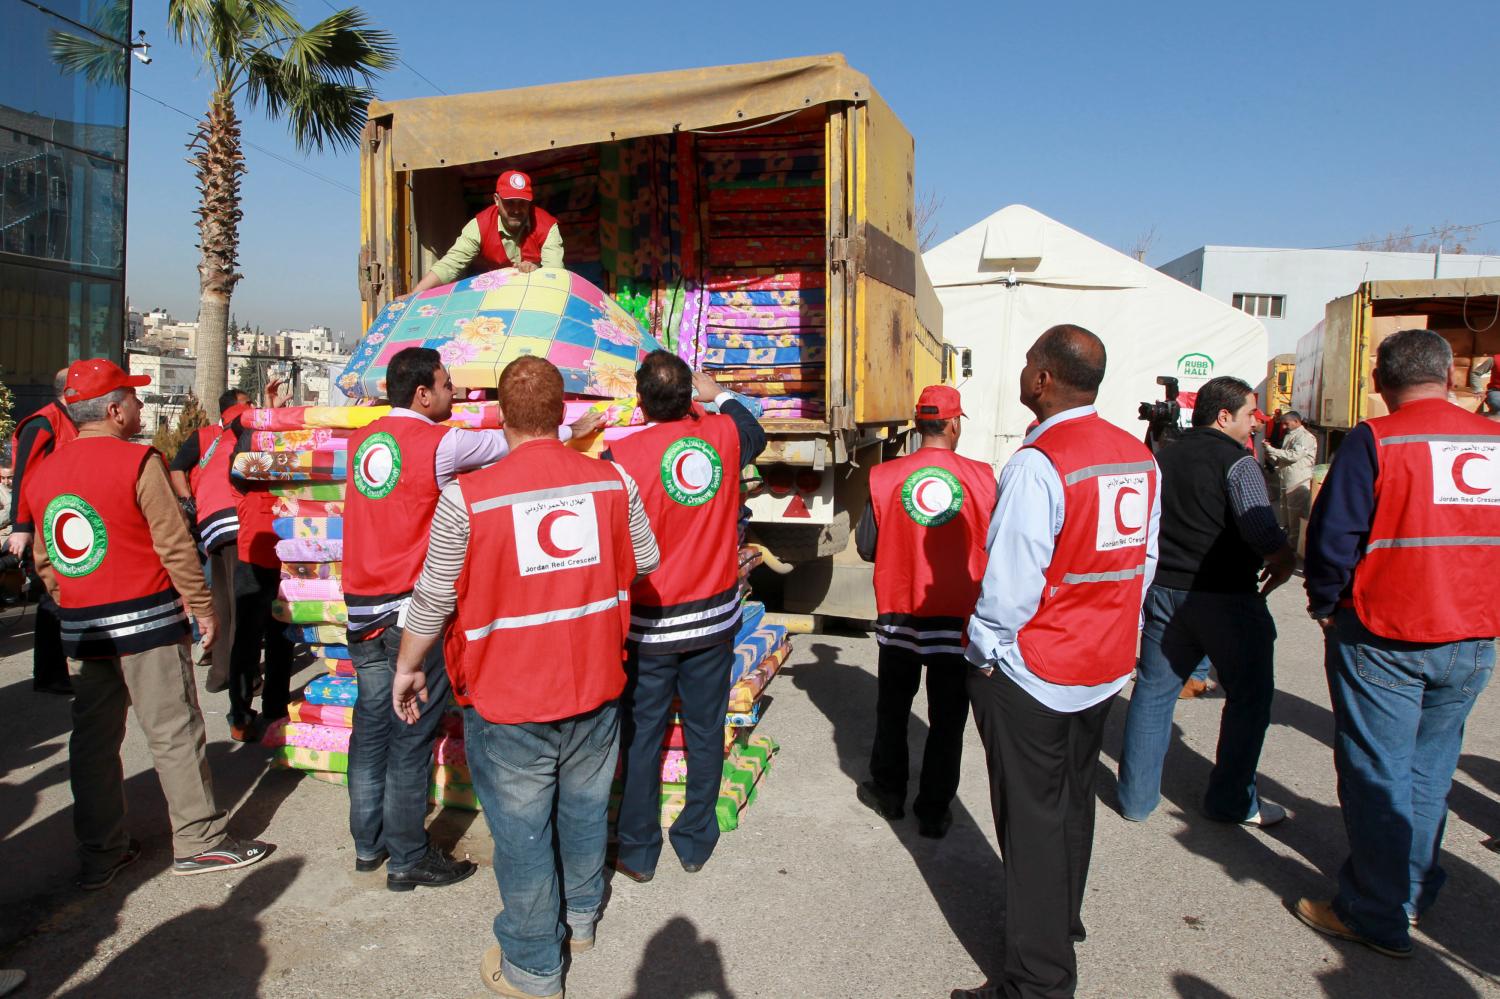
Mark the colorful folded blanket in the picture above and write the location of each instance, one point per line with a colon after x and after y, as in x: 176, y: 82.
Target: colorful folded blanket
x: 674, y: 766
x: 282, y: 507
x: 774, y: 388
x: 743, y: 719
x: 455, y: 796
x: 324, y: 738
x: 327, y: 650
x: 765, y: 279
x: 312, y: 417
x: 318, y: 439
x: 748, y: 688
x: 308, y: 527
x: 784, y: 372
x: 340, y: 690
x: 310, y: 550
x: 291, y: 466
x: 751, y: 340
x: 751, y: 614
x: 311, y: 589
x: 766, y: 316
x: 749, y: 653
x: 310, y: 611
x: 787, y: 296
x: 307, y: 713
x: 335, y: 667
x: 451, y: 773
x: 318, y: 634
x: 303, y: 758
x: 309, y: 491
x: 312, y: 570
x: 449, y: 749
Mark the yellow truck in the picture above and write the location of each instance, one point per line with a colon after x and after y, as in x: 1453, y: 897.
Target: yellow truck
x: 634, y: 168
x: 1332, y: 384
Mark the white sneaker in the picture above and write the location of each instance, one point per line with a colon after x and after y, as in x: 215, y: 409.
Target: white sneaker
x: 1269, y: 814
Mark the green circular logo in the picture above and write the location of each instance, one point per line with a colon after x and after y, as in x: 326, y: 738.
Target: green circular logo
x: 932, y: 496
x: 691, y: 471
x: 377, y: 466
x: 75, y: 535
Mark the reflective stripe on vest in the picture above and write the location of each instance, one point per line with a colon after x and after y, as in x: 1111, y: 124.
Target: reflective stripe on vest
x: 1436, y: 520
x: 547, y: 617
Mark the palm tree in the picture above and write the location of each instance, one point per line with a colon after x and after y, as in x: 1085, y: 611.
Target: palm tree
x: 317, y: 79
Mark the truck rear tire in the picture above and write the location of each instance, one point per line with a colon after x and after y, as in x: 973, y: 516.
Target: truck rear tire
x: 804, y: 542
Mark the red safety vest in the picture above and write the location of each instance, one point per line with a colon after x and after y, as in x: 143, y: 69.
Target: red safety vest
x: 688, y: 474
x: 1429, y: 558
x: 543, y: 599
x: 113, y: 593
x: 932, y: 513
x: 214, y: 493
x: 492, y: 249
x: 1084, y: 630
x: 388, y: 508
x: 57, y: 429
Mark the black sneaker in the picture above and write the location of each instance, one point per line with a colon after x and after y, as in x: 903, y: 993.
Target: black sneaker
x: 887, y: 806
x: 93, y: 882
x: 227, y: 856
x: 935, y: 828
x: 433, y: 871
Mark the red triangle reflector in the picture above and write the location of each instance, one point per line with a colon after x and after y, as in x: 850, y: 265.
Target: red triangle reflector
x: 796, y: 508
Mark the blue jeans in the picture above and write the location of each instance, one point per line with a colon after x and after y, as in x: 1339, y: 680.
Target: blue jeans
x: 701, y: 679
x: 1234, y: 630
x: 528, y: 776
x: 390, y: 762
x: 1398, y: 710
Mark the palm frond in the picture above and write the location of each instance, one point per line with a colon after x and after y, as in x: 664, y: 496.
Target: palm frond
x: 101, y: 58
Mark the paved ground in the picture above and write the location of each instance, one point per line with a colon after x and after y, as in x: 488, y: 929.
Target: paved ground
x: 811, y: 897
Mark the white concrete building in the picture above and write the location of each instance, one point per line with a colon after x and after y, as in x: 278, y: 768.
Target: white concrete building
x: 1287, y: 289
x: 171, y: 381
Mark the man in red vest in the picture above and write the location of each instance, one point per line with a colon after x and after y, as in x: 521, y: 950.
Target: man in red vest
x: 35, y: 439
x: 398, y: 466
x: 1400, y: 565
x: 533, y: 557
x: 200, y: 474
x: 684, y: 617
x: 924, y: 527
x: 512, y: 232
x: 1072, y: 549
x: 116, y: 555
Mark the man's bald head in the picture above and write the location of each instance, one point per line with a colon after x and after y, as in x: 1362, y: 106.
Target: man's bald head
x: 1073, y: 356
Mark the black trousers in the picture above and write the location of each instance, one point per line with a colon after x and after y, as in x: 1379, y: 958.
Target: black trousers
x: 1042, y: 766
x: 49, y: 664
x: 900, y: 674
x: 254, y: 627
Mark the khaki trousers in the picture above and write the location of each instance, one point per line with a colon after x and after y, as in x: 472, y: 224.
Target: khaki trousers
x: 159, y: 683
x: 225, y: 562
x: 1292, y: 506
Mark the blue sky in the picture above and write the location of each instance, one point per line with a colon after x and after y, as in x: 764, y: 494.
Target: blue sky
x: 1214, y: 123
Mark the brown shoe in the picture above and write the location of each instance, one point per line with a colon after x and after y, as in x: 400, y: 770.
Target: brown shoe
x: 494, y: 978
x: 1320, y: 916
x: 1196, y: 688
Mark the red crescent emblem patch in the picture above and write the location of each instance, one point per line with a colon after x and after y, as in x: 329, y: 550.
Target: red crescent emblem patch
x: 1458, y: 474
x: 1120, y: 524
x: 544, y: 537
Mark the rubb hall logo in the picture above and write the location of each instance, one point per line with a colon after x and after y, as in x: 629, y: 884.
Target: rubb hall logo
x: 377, y: 466
x: 691, y: 471
x: 75, y: 535
x: 932, y: 496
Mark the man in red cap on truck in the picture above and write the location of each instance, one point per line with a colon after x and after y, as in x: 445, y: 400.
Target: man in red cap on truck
x: 924, y: 527
x: 513, y: 232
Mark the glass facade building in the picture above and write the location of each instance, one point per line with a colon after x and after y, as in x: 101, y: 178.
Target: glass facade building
x: 64, y: 130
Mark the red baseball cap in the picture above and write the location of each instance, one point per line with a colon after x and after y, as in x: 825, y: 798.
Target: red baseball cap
x: 513, y: 184
x: 98, y: 376
x: 939, y: 402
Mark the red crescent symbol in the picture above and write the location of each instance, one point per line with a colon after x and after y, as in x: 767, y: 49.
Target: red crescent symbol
x: 1120, y: 525
x: 677, y: 472
x: 544, y: 535
x: 917, y: 497
x: 364, y: 466
x: 59, y: 533
x: 1458, y: 473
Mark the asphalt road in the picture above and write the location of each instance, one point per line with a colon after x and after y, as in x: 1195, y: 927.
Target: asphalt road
x: 813, y: 896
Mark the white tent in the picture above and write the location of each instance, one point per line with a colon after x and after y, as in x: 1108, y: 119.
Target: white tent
x: 1008, y: 278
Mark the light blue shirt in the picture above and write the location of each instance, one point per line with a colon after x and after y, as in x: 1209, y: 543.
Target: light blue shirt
x: 1023, y: 535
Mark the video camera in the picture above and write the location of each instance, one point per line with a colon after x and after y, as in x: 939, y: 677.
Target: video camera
x: 1162, y: 417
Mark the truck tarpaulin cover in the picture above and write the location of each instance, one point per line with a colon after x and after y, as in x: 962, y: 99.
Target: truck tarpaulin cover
x: 474, y: 128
